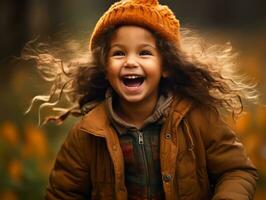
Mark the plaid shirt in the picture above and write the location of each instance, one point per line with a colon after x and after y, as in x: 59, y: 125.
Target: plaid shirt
x: 141, y: 150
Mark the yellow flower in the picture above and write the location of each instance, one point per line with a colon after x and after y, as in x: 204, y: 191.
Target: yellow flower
x: 35, y: 142
x: 15, y: 170
x: 8, y: 195
x: 9, y: 133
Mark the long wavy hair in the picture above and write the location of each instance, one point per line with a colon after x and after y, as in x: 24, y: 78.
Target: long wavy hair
x: 207, y: 74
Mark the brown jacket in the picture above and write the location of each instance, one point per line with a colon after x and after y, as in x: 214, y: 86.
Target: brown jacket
x: 201, y: 158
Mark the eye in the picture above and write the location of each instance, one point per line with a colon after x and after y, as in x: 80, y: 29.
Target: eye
x: 145, y: 53
x: 118, y: 53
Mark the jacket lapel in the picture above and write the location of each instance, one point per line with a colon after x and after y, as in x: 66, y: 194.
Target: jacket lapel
x: 168, y: 144
x: 96, y: 122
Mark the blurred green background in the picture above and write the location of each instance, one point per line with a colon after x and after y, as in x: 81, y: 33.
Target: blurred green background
x: 27, y: 152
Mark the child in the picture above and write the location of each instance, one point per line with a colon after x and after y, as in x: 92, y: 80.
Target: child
x: 152, y: 125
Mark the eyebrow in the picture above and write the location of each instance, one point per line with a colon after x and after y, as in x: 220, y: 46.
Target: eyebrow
x: 141, y: 45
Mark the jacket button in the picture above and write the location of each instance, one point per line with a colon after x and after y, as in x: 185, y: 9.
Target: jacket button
x: 167, y: 177
x: 168, y: 136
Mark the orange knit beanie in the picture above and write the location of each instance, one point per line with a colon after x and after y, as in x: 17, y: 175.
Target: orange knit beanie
x: 145, y: 13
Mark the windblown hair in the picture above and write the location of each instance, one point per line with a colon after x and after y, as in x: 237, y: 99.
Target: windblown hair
x: 204, y: 73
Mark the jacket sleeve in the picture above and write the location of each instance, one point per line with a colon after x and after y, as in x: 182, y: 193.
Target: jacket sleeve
x: 70, y: 177
x: 235, y: 175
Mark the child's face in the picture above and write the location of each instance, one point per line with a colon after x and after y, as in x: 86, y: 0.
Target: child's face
x: 134, y: 64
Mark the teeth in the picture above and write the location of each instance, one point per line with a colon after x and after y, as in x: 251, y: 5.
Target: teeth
x: 132, y: 76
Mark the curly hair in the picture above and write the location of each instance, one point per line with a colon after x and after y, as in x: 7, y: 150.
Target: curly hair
x: 206, y: 74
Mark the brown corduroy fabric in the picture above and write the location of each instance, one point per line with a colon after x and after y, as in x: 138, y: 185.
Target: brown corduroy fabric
x: 145, y: 13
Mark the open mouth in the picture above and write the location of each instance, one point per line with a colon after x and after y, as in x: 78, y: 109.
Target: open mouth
x: 132, y: 80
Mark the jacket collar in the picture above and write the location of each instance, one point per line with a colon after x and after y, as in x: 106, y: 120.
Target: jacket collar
x: 96, y: 122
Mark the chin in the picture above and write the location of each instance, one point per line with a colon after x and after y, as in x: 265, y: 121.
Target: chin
x: 135, y: 99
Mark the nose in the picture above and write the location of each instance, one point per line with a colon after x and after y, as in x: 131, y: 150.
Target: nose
x: 131, y: 61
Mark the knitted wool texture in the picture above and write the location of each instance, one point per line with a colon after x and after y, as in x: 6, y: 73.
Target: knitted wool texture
x: 145, y: 13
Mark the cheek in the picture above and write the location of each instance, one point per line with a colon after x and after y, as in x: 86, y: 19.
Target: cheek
x: 113, y: 66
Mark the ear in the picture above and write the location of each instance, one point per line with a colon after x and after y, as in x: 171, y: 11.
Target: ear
x: 165, y: 74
